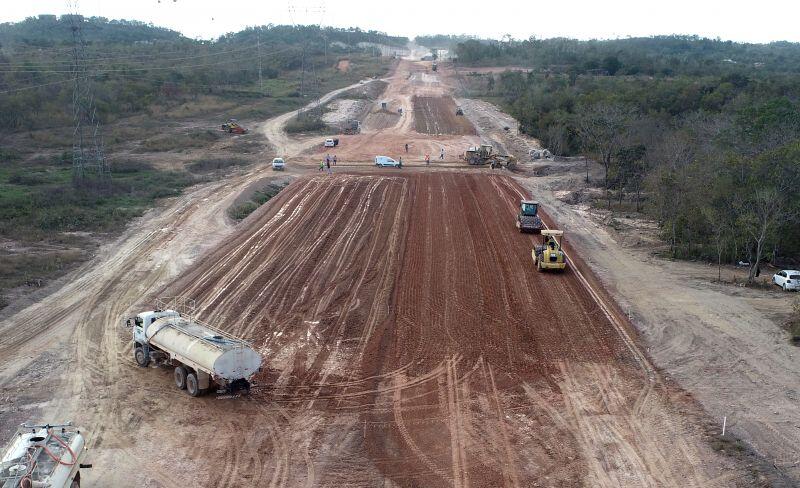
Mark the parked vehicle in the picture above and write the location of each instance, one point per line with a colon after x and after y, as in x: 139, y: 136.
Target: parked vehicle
x: 331, y: 142
x: 385, y: 161
x: 278, y: 164
x: 202, y: 355
x: 788, y: 279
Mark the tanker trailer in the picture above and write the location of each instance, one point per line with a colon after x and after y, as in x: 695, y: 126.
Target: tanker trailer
x: 43, y: 456
x: 201, y: 355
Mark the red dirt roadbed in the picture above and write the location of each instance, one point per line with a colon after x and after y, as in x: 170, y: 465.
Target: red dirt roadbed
x: 411, y: 341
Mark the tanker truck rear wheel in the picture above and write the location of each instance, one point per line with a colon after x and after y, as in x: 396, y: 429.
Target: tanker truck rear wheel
x: 180, y: 377
x: 140, y: 357
x: 192, y: 388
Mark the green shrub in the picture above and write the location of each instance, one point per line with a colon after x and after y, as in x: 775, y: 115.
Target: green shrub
x: 239, y: 212
x: 305, y: 123
x: 260, y: 197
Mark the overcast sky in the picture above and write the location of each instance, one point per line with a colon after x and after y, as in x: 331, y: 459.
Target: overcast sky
x: 739, y: 20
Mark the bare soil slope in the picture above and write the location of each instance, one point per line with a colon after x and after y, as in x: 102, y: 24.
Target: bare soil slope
x: 437, y: 115
x: 410, y: 341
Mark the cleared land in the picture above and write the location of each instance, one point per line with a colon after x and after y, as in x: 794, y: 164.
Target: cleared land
x: 437, y: 115
x: 411, y: 340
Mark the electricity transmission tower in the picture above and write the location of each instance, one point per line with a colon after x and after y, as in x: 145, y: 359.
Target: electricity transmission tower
x: 306, y: 12
x: 88, y: 156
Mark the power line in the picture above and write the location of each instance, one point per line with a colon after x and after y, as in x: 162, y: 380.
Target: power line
x: 67, y: 80
x: 153, y: 68
x: 152, y: 56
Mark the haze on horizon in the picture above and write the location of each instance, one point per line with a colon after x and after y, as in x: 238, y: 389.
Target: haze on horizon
x: 734, y: 20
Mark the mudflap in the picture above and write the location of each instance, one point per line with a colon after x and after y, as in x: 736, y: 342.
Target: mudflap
x: 238, y: 386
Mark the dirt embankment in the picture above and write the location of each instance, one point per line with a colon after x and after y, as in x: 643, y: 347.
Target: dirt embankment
x: 437, y: 115
x: 411, y: 341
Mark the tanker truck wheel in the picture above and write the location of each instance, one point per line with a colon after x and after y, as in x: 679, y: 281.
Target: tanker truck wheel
x: 180, y: 377
x: 141, y: 358
x: 192, y: 388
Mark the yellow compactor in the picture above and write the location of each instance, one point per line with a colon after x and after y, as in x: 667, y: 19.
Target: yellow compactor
x: 549, y: 254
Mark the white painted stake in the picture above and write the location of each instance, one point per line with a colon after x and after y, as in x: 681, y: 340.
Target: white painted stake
x: 724, y: 424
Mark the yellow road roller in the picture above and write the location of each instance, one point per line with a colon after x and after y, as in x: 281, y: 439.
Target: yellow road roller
x: 549, y: 254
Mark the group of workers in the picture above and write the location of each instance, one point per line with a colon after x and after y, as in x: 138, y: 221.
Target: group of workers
x: 327, y: 163
x: 428, y: 156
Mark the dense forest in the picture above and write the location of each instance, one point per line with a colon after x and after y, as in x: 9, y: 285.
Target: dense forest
x: 442, y: 41
x: 134, y: 66
x: 701, y: 135
x: 653, y: 56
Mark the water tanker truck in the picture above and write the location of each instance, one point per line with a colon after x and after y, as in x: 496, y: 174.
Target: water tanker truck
x: 201, y: 355
x: 43, y: 456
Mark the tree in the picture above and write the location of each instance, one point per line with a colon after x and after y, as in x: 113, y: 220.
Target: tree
x: 555, y: 139
x: 612, y: 64
x: 760, y: 215
x: 630, y: 170
x: 671, y: 157
x: 718, y: 221
x: 602, y: 129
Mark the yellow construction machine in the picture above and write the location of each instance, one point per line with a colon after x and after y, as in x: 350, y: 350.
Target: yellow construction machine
x: 484, y: 154
x: 550, y: 255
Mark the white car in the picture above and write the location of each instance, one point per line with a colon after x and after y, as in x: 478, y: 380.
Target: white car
x: 329, y: 143
x: 384, y: 161
x: 278, y: 164
x: 788, y: 279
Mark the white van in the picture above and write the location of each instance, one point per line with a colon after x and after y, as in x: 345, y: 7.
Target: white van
x: 386, y: 161
x: 278, y: 164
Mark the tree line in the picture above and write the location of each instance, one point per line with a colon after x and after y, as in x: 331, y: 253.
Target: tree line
x: 713, y: 158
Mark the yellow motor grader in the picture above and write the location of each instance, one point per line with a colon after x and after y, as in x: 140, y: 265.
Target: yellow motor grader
x: 549, y: 255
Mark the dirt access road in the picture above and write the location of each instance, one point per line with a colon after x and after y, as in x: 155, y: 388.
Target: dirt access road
x: 408, y: 340
x: 386, y: 132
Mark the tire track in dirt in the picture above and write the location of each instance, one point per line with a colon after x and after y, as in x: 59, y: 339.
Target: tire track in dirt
x: 408, y: 340
x: 437, y: 115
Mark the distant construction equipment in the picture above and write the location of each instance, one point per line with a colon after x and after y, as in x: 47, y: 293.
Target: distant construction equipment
x: 484, y: 154
x: 202, y: 355
x: 352, y: 126
x: 550, y: 255
x: 43, y: 456
x: 232, y: 127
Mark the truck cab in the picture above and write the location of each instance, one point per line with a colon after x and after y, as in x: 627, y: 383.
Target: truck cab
x: 528, y: 219
x: 142, y: 321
